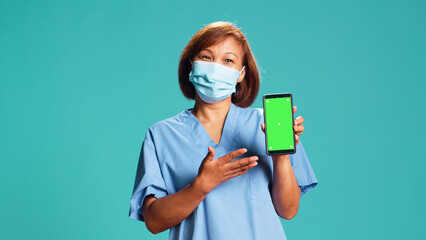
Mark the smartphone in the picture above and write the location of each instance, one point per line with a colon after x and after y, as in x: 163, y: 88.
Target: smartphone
x: 279, y: 122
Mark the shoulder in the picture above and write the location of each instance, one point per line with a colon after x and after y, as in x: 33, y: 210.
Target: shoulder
x: 175, y: 123
x: 248, y: 121
x: 250, y: 134
x: 250, y: 114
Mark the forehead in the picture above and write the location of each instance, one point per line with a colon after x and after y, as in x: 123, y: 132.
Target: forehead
x: 228, y: 44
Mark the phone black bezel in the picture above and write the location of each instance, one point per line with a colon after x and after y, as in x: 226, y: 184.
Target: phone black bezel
x: 279, y: 95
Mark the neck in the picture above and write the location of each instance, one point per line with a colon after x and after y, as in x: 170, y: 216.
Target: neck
x: 211, y: 112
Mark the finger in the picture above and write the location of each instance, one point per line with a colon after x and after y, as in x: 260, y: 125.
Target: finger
x: 299, y: 129
x: 240, y: 163
x: 262, y: 125
x: 210, y: 154
x: 299, y: 120
x: 236, y: 174
x: 228, y: 157
x: 240, y: 172
x: 294, y: 109
x: 242, y: 169
x: 297, y: 139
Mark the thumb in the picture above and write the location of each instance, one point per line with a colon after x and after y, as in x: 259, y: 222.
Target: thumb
x: 210, y: 154
x: 263, y: 126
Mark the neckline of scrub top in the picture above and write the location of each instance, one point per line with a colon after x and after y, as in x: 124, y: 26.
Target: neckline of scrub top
x: 228, y: 128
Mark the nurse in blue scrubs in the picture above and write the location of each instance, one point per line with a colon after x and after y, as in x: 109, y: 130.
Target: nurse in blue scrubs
x: 204, y: 173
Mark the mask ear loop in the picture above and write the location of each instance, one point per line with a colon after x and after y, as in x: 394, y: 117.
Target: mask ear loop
x: 241, y: 71
x: 192, y: 64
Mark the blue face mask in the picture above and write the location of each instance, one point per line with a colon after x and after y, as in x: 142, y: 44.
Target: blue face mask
x: 213, y: 81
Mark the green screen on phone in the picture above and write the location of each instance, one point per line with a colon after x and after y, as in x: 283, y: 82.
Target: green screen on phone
x: 279, y: 123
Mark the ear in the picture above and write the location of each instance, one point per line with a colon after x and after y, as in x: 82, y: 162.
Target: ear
x: 242, y: 75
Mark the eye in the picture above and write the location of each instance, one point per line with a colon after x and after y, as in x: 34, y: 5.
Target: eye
x: 228, y: 60
x: 205, y: 57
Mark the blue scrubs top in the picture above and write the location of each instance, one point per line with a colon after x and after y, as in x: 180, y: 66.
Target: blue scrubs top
x: 240, y: 208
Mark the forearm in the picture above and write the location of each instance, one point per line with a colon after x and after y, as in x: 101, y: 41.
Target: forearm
x: 172, y: 209
x: 285, y: 190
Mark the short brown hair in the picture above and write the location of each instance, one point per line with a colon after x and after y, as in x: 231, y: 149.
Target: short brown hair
x: 246, y: 90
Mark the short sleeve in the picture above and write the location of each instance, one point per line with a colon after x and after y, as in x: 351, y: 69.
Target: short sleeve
x: 148, y: 179
x: 302, y: 169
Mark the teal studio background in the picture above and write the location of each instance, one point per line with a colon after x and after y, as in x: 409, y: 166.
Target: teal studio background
x: 81, y: 81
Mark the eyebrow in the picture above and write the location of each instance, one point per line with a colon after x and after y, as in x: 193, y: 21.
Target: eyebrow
x: 233, y: 54
x: 208, y: 50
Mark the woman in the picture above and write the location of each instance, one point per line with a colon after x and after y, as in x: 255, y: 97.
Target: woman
x: 204, y: 173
